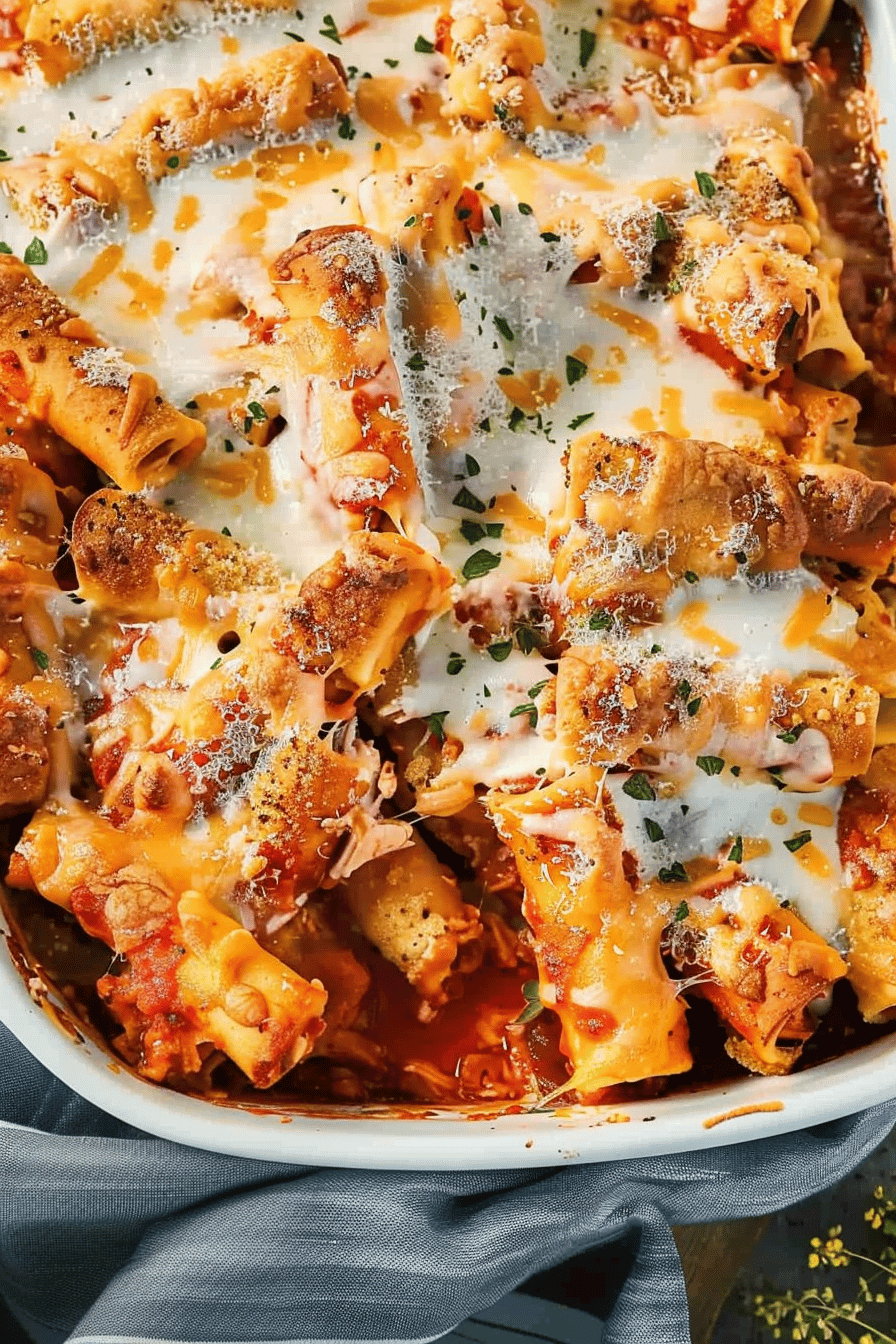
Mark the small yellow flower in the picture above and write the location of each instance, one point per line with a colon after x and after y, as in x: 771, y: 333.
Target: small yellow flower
x: 814, y: 1261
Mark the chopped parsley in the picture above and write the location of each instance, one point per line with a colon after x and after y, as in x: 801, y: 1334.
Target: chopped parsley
x: 661, y: 230
x: 330, y: 30
x: 523, y: 208
x: 504, y: 328
x: 257, y: 412
x: 226, y: 532
x: 423, y: 44
x: 601, y: 620
x: 694, y: 705
x: 495, y: 212
x: 296, y: 37
x: 40, y: 658
x: 710, y: 765
x: 35, y: 253
x: 215, y: 665
x: 500, y: 650
x: 410, y: 221
x: 533, y: 1005
x: 456, y: 663
x: 736, y: 852
x: 436, y: 724
x: 677, y: 873
x: 792, y: 734
x: 691, y: 577
x: 473, y: 532
x: 536, y: 690
x: 639, y: 786
x: 473, y: 467
x: 587, y: 43
x: 228, y: 446
x: 344, y: 128
x: 480, y: 563
x: 6, y: 249
x: 681, y: 912
x: 390, y: 61
x: 416, y: 361
x: 528, y: 639
x: 654, y: 830
x: 173, y: 162
x: 548, y: 237
x: 465, y: 499
x: 516, y: 418
x: 580, y: 420
x: 575, y: 370
x: 797, y: 841
x: 706, y: 185
x: 529, y: 709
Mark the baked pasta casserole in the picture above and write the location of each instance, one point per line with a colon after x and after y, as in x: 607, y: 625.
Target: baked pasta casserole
x: 447, y: 647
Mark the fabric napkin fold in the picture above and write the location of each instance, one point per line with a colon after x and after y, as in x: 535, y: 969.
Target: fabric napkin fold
x: 108, y: 1234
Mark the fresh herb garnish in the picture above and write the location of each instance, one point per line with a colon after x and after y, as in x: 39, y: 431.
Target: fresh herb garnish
x: 500, y: 650
x: 480, y: 563
x: 456, y: 663
x: 736, y: 852
x: 465, y: 499
x: 436, y: 724
x: 575, y: 370
x: 587, y: 43
x: 677, y: 873
x: 330, y: 30
x: 681, y: 912
x: 710, y: 765
x: 639, y: 786
x: 529, y: 709
x: 423, y: 44
x: 40, y: 658
x: 504, y: 327
x: 601, y: 620
x: 35, y: 253
x: 797, y: 841
x: 580, y: 420
x: 706, y: 185
x: 661, y: 230
x: 533, y: 1006
x: 654, y: 830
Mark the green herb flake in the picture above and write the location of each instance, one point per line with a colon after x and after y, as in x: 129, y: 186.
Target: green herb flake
x: 330, y: 30
x: 523, y: 208
x: 436, y: 724
x: 465, y: 499
x: 296, y: 37
x: 228, y: 446
x: 504, y: 328
x: 257, y: 412
x: 423, y: 44
x: 5, y: 249
x: 639, y: 786
x: 533, y: 1007
x: 677, y: 873
x: 531, y: 710
x: 710, y: 765
x: 661, y: 231
x: 575, y: 370
x: 479, y: 564
x: 391, y: 62
x: 40, y: 658
x: 681, y: 912
x: 173, y: 162
x: 694, y: 706
x: 35, y: 253
x: 416, y: 362
x: 797, y: 841
x: 792, y: 734
x: 587, y: 43
x: 691, y: 577
x: 535, y: 691
x: 215, y: 665
x: 500, y: 650
x: 456, y: 663
x: 528, y: 639
x: 473, y: 467
x: 654, y: 830
x: 706, y: 185
x: 579, y: 420
x: 600, y: 620
x: 226, y: 532
x: 736, y: 852
x: 548, y: 237
x: 495, y: 212
x: 344, y: 127
x: 472, y: 532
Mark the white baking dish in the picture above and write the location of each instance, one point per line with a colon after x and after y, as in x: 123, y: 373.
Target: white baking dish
x: 400, y: 1138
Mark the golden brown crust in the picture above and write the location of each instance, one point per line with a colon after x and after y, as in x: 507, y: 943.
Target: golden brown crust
x: 54, y: 364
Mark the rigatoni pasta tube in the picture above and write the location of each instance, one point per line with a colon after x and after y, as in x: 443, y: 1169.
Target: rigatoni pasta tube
x: 409, y: 906
x: 760, y: 967
x: 276, y: 94
x: 784, y: 28
x: 597, y: 942
x: 55, y: 365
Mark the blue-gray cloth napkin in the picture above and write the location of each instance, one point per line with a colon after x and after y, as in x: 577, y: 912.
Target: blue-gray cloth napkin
x: 109, y: 1235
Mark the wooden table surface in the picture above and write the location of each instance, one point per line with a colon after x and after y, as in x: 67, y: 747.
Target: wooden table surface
x: 712, y: 1255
